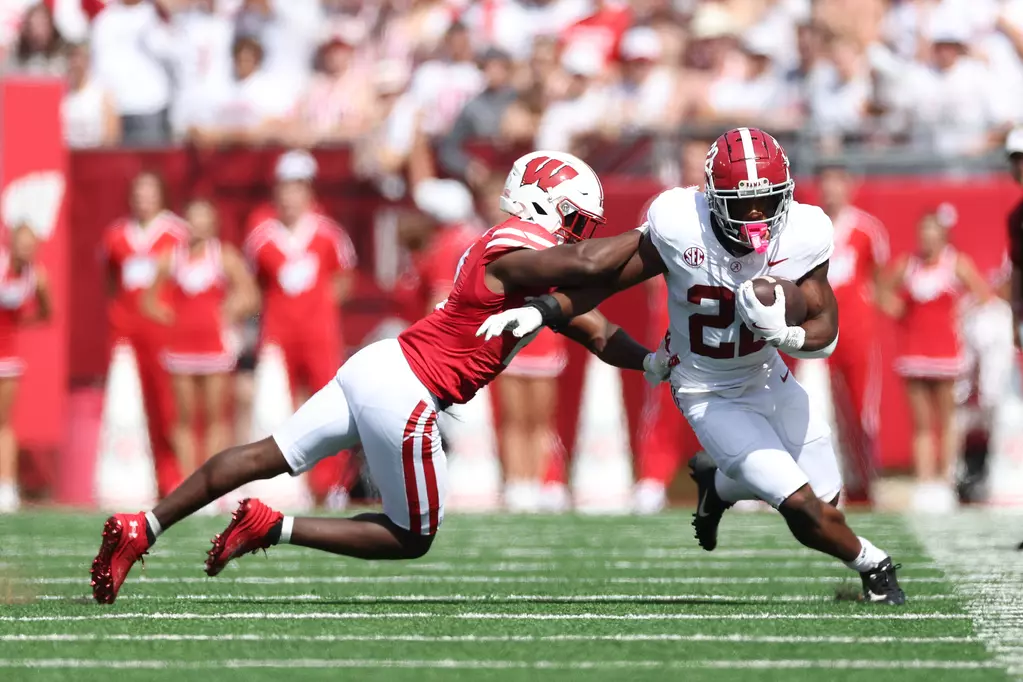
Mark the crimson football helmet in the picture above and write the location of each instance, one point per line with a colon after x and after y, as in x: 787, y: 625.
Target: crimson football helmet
x: 745, y: 164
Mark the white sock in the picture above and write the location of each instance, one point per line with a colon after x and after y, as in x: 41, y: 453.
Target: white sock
x: 868, y: 559
x: 154, y: 525
x: 286, y: 526
x: 730, y: 490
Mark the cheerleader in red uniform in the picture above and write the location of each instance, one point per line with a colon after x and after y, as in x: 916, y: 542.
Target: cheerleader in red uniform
x: 210, y: 292
x: 21, y: 284
x: 924, y: 295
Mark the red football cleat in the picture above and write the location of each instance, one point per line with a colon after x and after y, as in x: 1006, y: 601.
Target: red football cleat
x: 124, y: 543
x: 247, y: 532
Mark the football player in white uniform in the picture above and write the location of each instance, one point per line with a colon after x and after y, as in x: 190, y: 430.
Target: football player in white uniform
x: 763, y: 438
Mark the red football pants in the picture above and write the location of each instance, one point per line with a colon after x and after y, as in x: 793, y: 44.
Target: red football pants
x: 312, y: 361
x: 158, y: 401
x: 855, y: 369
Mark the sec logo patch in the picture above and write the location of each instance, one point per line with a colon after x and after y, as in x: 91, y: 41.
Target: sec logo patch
x: 694, y: 256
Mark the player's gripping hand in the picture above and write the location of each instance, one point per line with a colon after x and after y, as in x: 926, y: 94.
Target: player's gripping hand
x: 518, y: 321
x: 768, y: 321
x: 657, y: 366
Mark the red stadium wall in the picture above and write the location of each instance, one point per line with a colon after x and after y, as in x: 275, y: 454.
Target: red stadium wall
x: 33, y: 168
x: 238, y: 181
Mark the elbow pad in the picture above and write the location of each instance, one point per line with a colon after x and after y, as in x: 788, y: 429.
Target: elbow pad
x: 812, y: 354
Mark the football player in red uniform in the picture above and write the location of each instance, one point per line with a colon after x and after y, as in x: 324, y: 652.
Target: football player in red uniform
x: 388, y: 395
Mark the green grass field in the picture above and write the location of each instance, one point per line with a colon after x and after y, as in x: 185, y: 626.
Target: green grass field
x: 520, y: 598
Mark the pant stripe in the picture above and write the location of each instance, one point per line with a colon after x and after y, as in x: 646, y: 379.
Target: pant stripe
x: 430, y: 474
x: 408, y: 460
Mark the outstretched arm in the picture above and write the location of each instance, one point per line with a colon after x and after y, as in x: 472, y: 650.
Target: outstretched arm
x: 607, y: 341
x: 587, y: 262
x: 557, y: 309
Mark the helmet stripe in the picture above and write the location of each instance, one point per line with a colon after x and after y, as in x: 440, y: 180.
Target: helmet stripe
x: 747, y: 151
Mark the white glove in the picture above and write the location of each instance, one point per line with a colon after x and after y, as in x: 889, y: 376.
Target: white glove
x: 519, y: 321
x: 657, y: 366
x: 768, y: 321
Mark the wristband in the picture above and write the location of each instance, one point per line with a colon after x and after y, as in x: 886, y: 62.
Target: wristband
x: 550, y: 311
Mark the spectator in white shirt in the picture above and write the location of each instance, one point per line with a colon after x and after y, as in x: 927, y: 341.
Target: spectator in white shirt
x: 581, y: 110
x: 758, y: 94
x: 247, y: 108
x: 87, y: 110
x: 338, y: 105
x: 641, y: 100
x: 957, y: 103
x: 382, y: 154
x: 202, y: 40
x: 131, y: 53
x: 289, y: 31
x: 441, y: 87
x: 39, y: 50
x: 841, y: 91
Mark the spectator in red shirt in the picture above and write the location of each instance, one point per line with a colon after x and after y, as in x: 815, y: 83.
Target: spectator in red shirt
x: 132, y: 247
x: 211, y: 293
x: 303, y: 262
x: 600, y: 32
x: 861, y: 253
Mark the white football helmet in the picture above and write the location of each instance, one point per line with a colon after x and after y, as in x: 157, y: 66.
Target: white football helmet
x: 557, y: 191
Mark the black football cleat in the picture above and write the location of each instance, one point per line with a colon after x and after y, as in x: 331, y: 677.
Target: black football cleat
x: 710, y: 508
x: 880, y: 586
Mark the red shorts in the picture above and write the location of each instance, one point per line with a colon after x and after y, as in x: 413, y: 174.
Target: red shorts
x: 544, y: 357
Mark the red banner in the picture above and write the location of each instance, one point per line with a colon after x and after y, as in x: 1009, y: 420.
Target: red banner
x: 33, y: 174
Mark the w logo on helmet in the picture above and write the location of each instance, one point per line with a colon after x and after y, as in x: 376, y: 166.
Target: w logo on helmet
x: 545, y: 172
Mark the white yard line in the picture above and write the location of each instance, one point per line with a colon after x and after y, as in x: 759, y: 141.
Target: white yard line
x: 458, y: 579
x: 486, y: 598
x: 471, y: 664
x: 883, y: 614
x: 976, y: 551
x: 490, y: 639
x: 310, y: 563
x: 526, y: 550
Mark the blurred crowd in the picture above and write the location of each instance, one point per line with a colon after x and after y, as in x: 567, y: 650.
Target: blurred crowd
x: 563, y: 74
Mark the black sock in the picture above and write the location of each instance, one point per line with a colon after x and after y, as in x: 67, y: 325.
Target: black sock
x: 150, y: 535
x: 274, y: 536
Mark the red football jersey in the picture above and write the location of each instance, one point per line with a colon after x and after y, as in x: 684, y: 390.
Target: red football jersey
x: 442, y: 349
x: 295, y: 269
x: 131, y: 253
x: 861, y: 246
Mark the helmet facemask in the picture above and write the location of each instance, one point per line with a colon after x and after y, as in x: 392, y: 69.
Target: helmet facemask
x: 731, y: 206
x: 576, y: 224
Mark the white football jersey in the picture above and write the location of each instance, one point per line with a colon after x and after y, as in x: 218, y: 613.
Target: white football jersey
x: 716, y: 351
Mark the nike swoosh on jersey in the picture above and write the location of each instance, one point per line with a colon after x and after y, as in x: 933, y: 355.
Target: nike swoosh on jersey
x: 772, y: 263
x: 785, y: 377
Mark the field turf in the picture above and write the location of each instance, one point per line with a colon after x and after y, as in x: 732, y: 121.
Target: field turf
x: 521, y: 598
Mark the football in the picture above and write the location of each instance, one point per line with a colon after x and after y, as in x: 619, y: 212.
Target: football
x: 795, y: 302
